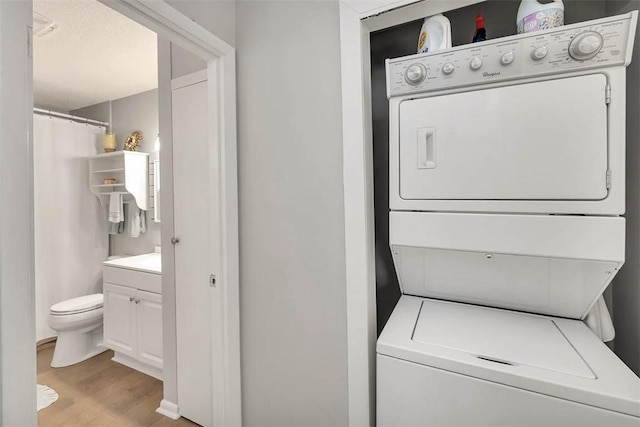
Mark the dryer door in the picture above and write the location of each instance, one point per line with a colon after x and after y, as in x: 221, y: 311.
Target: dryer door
x: 536, y: 141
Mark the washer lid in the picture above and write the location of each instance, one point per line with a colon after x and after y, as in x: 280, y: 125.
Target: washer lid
x: 499, y: 336
x: 78, y: 305
x: 552, y: 356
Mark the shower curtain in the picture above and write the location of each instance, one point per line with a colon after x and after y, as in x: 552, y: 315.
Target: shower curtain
x: 71, y: 239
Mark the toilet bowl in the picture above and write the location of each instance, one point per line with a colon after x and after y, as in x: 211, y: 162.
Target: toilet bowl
x: 78, y: 322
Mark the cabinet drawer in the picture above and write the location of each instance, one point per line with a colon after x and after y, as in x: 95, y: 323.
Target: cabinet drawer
x: 134, y: 279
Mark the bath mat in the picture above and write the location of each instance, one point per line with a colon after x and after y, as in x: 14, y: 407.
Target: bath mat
x: 46, y: 396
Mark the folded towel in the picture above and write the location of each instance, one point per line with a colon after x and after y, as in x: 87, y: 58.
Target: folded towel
x: 116, y: 227
x: 116, y: 210
x: 599, y: 321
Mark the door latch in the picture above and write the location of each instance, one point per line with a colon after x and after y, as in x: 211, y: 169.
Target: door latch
x: 174, y: 240
x: 212, y: 280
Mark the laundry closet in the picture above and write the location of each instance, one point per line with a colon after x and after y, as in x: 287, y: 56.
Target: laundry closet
x: 402, y: 40
x: 499, y: 194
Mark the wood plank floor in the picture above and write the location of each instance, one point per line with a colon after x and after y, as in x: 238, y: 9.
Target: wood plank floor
x: 100, y: 392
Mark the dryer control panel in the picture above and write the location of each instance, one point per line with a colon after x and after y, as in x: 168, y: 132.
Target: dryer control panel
x: 593, y: 44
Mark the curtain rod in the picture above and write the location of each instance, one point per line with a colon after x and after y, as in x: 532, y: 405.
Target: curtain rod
x: 70, y: 117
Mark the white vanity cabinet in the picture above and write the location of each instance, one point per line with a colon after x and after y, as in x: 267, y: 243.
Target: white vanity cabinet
x: 133, y: 312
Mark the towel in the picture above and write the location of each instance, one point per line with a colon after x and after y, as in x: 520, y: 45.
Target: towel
x: 45, y: 396
x: 116, y: 210
x: 116, y: 228
x: 137, y: 221
x: 599, y: 321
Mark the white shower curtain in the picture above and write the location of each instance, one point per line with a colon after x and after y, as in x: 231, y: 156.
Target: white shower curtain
x: 71, y: 239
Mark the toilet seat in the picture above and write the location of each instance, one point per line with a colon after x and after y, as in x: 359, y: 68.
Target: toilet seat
x: 77, y: 305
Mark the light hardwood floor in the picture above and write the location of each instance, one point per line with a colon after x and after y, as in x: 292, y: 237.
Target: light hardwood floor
x: 100, y: 392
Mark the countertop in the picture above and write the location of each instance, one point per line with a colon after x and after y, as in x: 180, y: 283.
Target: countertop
x: 148, y: 263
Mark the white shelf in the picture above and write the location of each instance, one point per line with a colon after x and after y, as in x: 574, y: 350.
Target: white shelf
x: 118, y: 154
x: 109, y: 170
x: 121, y: 184
x: 133, y: 177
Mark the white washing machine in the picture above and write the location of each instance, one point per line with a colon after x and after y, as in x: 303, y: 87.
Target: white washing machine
x: 506, y: 189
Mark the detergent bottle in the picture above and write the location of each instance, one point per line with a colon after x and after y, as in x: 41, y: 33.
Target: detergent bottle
x: 536, y: 16
x: 435, y: 34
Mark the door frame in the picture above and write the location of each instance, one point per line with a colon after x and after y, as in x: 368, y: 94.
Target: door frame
x: 176, y: 28
x: 358, y: 19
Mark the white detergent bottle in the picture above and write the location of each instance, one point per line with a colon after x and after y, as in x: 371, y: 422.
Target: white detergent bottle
x: 435, y: 34
x: 536, y: 16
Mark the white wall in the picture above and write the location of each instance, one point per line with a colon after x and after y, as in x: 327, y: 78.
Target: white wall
x: 17, y: 286
x: 292, y: 265
x: 292, y: 272
x: 135, y: 112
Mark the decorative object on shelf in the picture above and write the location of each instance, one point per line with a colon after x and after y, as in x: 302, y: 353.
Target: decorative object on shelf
x: 133, y: 141
x: 109, y: 142
x: 109, y: 181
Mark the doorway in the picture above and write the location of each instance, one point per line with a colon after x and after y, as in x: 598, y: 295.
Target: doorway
x: 175, y: 28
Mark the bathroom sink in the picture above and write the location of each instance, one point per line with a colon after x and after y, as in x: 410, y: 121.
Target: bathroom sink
x: 150, y: 263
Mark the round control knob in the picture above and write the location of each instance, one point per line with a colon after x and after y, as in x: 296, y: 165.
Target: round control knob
x: 507, y: 58
x: 475, y: 63
x: 448, y: 68
x: 585, y: 46
x: 539, y: 53
x: 415, y: 74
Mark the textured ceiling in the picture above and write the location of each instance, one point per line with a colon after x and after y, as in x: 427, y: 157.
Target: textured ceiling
x: 94, y: 55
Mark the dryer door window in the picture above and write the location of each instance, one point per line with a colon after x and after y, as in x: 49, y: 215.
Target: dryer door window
x: 537, y: 141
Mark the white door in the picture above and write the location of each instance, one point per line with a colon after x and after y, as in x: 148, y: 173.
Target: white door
x: 194, y: 214
x: 535, y: 141
x: 120, y: 319
x: 149, y: 321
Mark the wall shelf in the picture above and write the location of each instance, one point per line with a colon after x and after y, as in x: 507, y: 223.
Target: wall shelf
x: 109, y: 170
x: 131, y: 171
x: 121, y: 184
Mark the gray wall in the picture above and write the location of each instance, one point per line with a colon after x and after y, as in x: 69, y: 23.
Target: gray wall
x: 135, y: 112
x: 626, y: 285
x: 292, y: 265
x: 216, y: 15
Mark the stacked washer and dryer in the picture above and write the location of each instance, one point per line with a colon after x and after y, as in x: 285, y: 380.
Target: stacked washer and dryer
x: 507, y: 190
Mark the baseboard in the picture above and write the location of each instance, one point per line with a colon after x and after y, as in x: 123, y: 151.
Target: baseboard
x: 46, y: 343
x: 168, y: 409
x: 137, y: 365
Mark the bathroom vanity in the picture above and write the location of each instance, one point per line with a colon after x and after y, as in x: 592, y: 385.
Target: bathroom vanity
x: 133, y: 312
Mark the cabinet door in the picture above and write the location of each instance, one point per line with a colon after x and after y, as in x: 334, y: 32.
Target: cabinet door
x: 120, y: 319
x: 149, y: 320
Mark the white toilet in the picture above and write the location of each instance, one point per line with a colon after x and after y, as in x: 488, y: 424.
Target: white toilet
x: 78, y: 322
